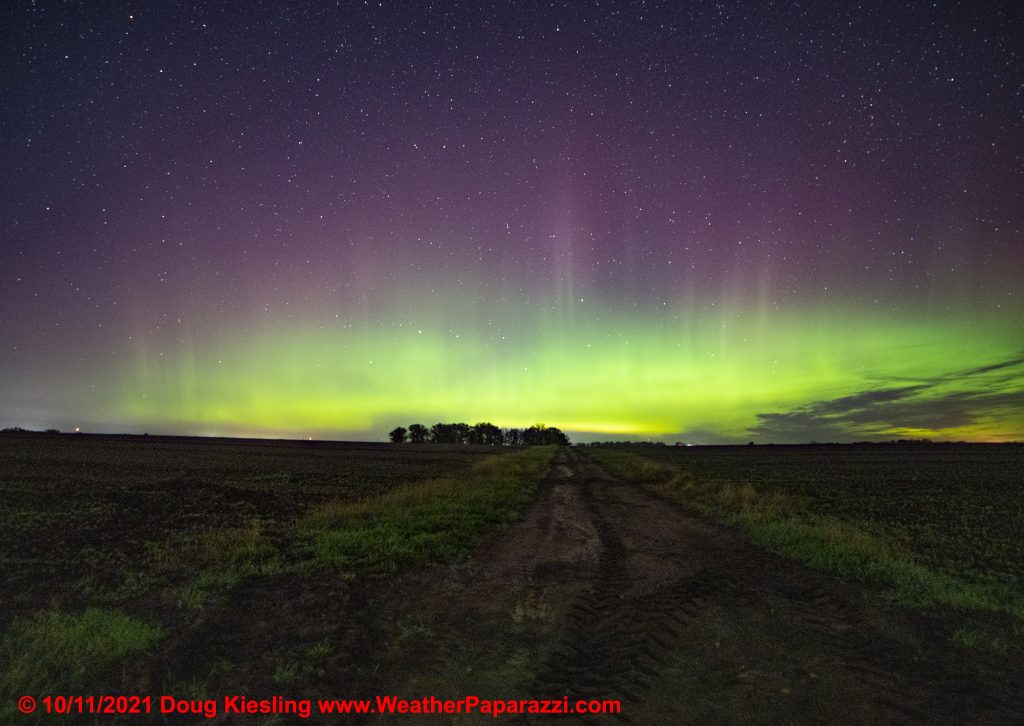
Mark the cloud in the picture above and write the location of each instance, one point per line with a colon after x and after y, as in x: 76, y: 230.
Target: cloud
x: 866, y: 399
x: 798, y: 427
x: 945, y: 403
x: 1013, y: 362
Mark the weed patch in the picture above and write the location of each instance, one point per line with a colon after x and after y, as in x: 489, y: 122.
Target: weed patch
x: 980, y: 640
x: 56, y: 652
x: 217, y: 560
x: 427, y: 522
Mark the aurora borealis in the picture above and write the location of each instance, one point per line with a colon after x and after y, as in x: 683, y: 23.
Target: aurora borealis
x: 715, y: 222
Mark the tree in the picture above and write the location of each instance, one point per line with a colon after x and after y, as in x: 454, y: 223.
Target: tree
x: 483, y: 433
x: 398, y: 435
x: 442, y: 433
x: 491, y: 434
x: 418, y: 433
x: 487, y: 434
x: 513, y: 437
x: 556, y: 436
x: 462, y: 432
x: 534, y: 436
x: 539, y: 434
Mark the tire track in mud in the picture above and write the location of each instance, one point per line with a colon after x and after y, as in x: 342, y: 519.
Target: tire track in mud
x: 616, y: 643
x: 607, y: 590
x: 911, y: 685
x: 625, y: 629
x: 837, y: 628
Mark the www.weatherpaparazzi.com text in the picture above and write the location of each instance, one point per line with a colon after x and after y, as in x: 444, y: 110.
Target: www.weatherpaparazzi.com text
x: 307, y: 708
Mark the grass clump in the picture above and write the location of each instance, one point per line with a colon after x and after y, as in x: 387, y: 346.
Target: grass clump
x: 847, y: 549
x: 979, y: 640
x: 430, y: 521
x: 244, y: 549
x: 632, y: 468
x: 221, y: 559
x: 309, y: 665
x: 62, y: 652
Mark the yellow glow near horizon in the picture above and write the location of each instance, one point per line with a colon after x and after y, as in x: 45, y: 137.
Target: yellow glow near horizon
x: 614, y: 378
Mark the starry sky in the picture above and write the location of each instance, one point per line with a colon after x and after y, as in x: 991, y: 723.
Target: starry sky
x: 703, y: 221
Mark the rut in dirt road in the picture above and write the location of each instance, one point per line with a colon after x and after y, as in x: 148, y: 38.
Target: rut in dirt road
x: 615, y: 643
x: 605, y: 590
x: 761, y: 635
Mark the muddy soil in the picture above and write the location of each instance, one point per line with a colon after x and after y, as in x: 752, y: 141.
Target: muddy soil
x: 607, y: 591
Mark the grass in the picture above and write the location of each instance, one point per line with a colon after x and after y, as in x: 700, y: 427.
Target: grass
x: 57, y: 652
x: 212, y: 561
x: 980, y: 640
x: 428, y: 522
x: 304, y: 667
x: 205, y: 514
x: 956, y: 507
x: 782, y: 523
x: 224, y: 558
x: 207, y: 517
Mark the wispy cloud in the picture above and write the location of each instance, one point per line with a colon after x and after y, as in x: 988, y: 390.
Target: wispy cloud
x: 951, y: 402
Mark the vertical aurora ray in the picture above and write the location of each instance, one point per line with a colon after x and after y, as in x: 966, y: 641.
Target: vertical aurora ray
x: 603, y: 377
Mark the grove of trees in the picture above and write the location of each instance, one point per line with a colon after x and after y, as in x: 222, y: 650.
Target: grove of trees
x: 486, y: 434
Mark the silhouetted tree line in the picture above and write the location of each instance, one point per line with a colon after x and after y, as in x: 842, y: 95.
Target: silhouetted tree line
x: 486, y: 434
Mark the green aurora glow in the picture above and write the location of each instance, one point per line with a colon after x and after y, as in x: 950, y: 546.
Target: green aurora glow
x: 670, y: 222
x: 704, y: 378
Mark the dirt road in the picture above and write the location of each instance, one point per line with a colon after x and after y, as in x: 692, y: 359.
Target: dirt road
x: 607, y: 591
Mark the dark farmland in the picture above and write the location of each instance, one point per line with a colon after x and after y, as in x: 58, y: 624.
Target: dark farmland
x: 958, y: 507
x: 214, y: 566
x: 86, y: 519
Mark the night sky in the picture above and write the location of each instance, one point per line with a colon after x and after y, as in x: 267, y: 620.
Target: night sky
x: 714, y: 222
